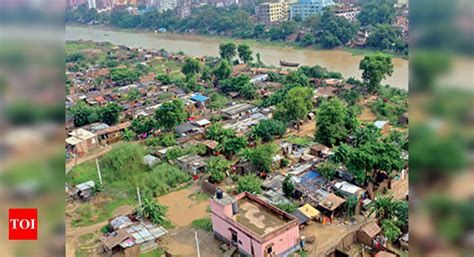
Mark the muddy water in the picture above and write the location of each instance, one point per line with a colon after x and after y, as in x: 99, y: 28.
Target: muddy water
x: 335, y: 60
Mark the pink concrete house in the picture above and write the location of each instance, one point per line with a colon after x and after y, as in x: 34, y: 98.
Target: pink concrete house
x: 255, y: 227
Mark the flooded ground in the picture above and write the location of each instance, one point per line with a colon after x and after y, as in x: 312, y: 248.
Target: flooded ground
x: 335, y: 60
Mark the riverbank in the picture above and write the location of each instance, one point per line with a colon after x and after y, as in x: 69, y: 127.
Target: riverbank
x: 251, y: 42
x: 340, y: 60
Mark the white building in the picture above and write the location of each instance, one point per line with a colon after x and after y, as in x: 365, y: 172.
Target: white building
x: 91, y: 4
x: 305, y: 8
x: 164, y: 5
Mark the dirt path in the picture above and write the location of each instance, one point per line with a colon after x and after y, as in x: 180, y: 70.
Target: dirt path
x: 73, y: 234
x: 102, y: 151
x: 307, y: 129
x: 329, y: 236
x: 182, y: 210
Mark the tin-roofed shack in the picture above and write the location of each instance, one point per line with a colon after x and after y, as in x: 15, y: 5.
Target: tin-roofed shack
x: 131, y: 235
x: 366, y: 234
x: 236, y: 111
x: 193, y: 164
x: 81, y: 141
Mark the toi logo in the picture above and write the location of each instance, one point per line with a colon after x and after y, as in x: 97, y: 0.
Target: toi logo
x: 22, y: 224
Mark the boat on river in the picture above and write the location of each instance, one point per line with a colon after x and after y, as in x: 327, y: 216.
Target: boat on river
x: 289, y: 64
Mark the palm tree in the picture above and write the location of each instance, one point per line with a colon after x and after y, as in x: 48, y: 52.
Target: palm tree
x: 383, y: 206
x: 128, y: 135
x: 351, y: 203
x: 153, y: 211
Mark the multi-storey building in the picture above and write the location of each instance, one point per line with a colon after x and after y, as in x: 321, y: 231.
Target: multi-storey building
x: 305, y: 8
x: 163, y: 5
x: 271, y: 12
x: 350, y: 13
x: 346, y: 2
x: 74, y: 3
x: 91, y: 4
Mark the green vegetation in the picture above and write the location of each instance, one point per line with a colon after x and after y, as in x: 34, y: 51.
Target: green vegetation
x: 326, y: 29
x: 171, y: 114
x: 296, y: 105
x: 249, y: 183
x: 261, y: 156
x: 268, y: 129
x: 287, y: 207
x: 202, y: 224
x: 152, y: 210
x: 288, y: 186
x: 334, y: 122
x: 375, y: 69
x: 217, y: 168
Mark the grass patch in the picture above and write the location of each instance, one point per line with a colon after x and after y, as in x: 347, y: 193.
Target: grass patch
x: 155, y: 253
x: 83, y: 172
x: 302, y: 141
x: 86, y: 238
x: 203, y: 224
x: 200, y: 196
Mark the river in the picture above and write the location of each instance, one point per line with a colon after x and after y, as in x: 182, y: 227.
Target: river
x: 334, y: 60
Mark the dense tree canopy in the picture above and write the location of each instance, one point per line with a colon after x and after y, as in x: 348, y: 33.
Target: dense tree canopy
x: 245, y: 53
x: 123, y: 76
x: 191, y: 67
x: 386, y: 37
x: 267, y: 129
x: 375, y: 68
x: 223, y: 70
x: 335, y: 30
x: 333, y: 123
x: 261, y: 156
x: 374, y: 12
x: 109, y: 114
x: 227, y: 51
x: 170, y: 114
x: 296, y: 105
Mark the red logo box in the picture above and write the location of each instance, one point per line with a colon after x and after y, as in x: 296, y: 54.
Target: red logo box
x: 22, y: 224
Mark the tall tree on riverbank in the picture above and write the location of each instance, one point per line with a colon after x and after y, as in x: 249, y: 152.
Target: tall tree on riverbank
x: 375, y: 68
x: 227, y: 51
x: 245, y: 53
x: 297, y: 104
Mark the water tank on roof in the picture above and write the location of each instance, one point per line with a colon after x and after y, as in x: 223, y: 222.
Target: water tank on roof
x: 235, y: 208
x: 219, y: 194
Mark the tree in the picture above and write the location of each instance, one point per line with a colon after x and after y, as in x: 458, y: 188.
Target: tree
x: 249, y: 183
x: 223, y: 70
x: 152, y: 210
x: 307, y: 40
x: 327, y: 169
x: 297, y: 105
x: 366, y: 134
x: 128, y: 135
x: 426, y: 67
x: 123, y: 76
x: 164, y: 78
x: 191, y: 67
x: 336, y: 30
x: 239, y: 84
x: 330, y: 123
x: 390, y: 230
x: 227, y: 51
x: 375, y: 68
x: 232, y: 146
x: 170, y: 114
x: 143, y: 125
x: 267, y: 129
x: 288, y: 186
x: 245, y: 53
x: 261, y: 156
x: 133, y: 95
x: 383, y: 206
x: 385, y: 37
x: 374, y: 12
x: 218, y: 133
x: 287, y: 207
x: 109, y: 114
x: 82, y: 114
x: 217, y: 167
x: 350, y: 205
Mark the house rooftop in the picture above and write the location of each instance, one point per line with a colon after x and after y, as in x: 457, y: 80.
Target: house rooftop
x: 257, y: 217
x: 238, y: 108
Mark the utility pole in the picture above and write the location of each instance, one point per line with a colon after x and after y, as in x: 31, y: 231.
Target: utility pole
x: 197, y: 243
x: 98, y: 170
x: 139, y: 197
